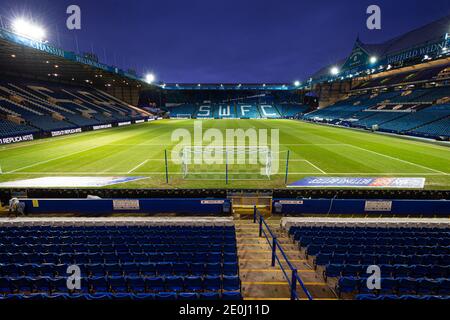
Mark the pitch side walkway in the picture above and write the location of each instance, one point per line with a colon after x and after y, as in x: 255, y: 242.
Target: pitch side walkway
x: 262, y: 282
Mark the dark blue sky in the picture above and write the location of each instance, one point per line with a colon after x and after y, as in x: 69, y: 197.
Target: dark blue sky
x: 227, y: 40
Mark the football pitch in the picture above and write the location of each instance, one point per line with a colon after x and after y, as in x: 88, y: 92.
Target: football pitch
x: 139, y: 151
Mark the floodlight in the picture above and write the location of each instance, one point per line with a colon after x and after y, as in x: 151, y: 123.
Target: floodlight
x: 297, y: 83
x: 28, y: 29
x: 150, y: 78
x: 334, y: 71
x: 373, y: 60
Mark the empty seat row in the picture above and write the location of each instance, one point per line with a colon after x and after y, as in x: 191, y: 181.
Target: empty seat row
x: 391, y: 241
x: 138, y: 229
x: 369, y: 234
x: 313, y: 249
x: 141, y: 269
x: 400, y: 286
x: 327, y: 258
x: 120, y: 284
x: 360, y: 229
x: 415, y: 271
x: 204, y: 240
x: 373, y: 297
x: 201, y: 257
x: 109, y: 248
x: 125, y: 296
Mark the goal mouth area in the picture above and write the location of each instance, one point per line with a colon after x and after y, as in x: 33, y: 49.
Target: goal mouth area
x: 226, y: 163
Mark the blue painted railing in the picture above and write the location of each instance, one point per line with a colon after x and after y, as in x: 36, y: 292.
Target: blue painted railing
x: 272, y: 240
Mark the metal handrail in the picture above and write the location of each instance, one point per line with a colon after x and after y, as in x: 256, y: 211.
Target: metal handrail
x: 274, y: 244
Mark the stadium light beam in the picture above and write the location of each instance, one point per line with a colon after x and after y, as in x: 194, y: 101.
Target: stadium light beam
x: 334, y: 71
x: 28, y: 29
x: 150, y: 78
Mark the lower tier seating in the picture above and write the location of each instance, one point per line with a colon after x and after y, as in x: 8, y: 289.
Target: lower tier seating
x: 139, y: 262
x: 412, y: 260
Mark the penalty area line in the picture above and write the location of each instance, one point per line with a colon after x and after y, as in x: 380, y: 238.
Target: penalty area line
x: 138, y: 166
x: 314, y: 166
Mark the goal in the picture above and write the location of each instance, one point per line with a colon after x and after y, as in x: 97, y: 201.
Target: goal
x: 226, y: 163
x: 183, y: 116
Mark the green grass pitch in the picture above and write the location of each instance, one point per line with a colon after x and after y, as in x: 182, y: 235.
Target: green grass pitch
x: 139, y: 151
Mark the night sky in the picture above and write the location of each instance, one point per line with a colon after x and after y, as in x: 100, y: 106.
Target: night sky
x: 228, y: 41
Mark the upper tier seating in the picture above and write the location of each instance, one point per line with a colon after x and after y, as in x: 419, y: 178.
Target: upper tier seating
x: 40, y: 104
x: 388, y: 110
x: 125, y: 262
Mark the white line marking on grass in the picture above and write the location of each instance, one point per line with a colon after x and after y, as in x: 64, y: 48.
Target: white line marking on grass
x: 404, y: 161
x: 50, y: 160
x: 314, y: 166
x: 138, y: 166
x: 372, y: 174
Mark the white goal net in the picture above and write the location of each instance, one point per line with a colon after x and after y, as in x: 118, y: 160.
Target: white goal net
x: 234, y: 163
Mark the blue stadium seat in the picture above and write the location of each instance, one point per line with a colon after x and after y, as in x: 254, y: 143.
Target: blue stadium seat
x: 118, y: 284
x: 231, y: 283
x: 193, y: 283
x: 231, y: 296
x: 174, y: 283
x: 212, y: 283
x: 166, y: 296
x: 99, y: 284
x: 155, y: 284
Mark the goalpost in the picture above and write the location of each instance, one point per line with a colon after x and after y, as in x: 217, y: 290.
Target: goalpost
x: 184, y: 116
x: 226, y: 163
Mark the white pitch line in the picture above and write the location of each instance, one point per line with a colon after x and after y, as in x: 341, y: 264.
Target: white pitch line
x: 314, y: 166
x: 404, y: 161
x: 138, y: 166
x: 372, y: 174
x: 50, y: 160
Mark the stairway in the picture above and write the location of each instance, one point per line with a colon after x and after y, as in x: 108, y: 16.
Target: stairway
x: 261, y: 281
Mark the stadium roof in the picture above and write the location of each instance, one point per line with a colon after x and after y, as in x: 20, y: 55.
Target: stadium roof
x: 229, y: 86
x: 24, y: 57
x: 428, y: 39
x: 427, y: 33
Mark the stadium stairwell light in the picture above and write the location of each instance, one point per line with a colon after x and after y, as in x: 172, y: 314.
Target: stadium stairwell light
x: 28, y: 29
x: 150, y: 78
x: 334, y: 71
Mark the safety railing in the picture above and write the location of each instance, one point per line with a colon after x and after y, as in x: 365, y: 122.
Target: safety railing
x: 293, y: 278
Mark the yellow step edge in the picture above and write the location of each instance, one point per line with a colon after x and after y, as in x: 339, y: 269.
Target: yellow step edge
x: 277, y: 283
x: 273, y: 270
x: 268, y: 260
x: 320, y: 299
x: 267, y: 299
x: 261, y: 251
x: 250, y: 283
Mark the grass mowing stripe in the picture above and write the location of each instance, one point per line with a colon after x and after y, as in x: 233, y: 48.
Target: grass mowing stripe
x: 50, y: 160
x: 404, y: 161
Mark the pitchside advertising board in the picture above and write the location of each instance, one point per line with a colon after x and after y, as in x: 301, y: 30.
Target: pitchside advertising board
x: 344, y: 182
x: 16, y: 139
x: 58, y: 133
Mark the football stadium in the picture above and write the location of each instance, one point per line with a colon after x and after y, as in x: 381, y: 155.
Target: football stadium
x: 118, y: 186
